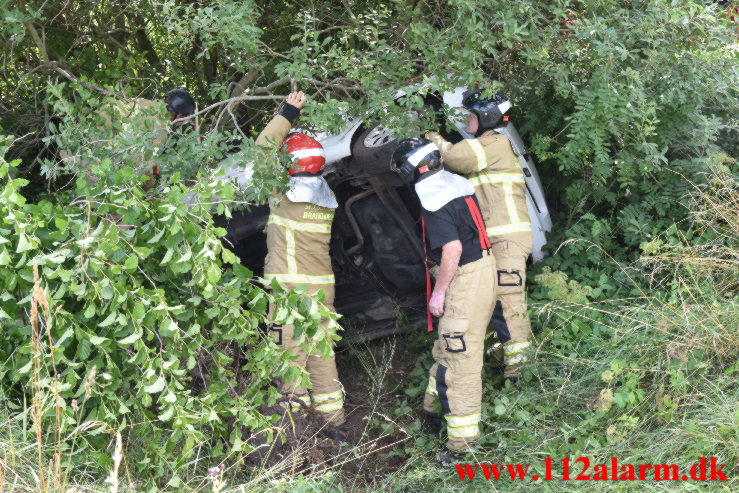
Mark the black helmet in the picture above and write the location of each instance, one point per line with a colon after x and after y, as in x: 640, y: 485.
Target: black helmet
x: 414, y: 157
x: 489, y: 112
x: 179, y: 103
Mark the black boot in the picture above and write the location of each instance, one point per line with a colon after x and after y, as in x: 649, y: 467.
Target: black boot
x: 510, y: 381
x: 448, y: 457
x: 430, y: 423
x: 336, y: 433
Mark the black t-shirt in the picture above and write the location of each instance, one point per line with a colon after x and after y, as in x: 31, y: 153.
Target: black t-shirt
x: 452, y: 222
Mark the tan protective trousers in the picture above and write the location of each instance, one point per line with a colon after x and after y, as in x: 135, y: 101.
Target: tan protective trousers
x: 326, y: 394
x: 510, y: 320
x: 456, y: 376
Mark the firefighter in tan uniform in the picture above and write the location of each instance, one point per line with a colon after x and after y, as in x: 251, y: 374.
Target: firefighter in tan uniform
x: 180, y: 103
x: 489, y: 163
x: 463, y: 296
x: 298, y: 234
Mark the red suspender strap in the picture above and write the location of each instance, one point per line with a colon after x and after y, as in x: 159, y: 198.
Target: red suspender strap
x: 479, y: 223
x: 428, y: 277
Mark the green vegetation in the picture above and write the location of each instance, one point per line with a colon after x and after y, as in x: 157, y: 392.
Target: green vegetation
x: 130, y: 346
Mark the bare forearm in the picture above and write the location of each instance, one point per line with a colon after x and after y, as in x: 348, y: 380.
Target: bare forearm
x: 450, y: 255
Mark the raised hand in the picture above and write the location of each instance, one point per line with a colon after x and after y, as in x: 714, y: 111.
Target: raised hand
x: 296, y: 99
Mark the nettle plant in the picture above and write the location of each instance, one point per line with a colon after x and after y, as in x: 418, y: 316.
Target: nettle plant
x: 138, y: 320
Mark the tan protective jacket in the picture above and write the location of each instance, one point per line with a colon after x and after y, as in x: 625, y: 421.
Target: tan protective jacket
x: 298, y: 233
x: 490, y: 164
x: 122, y: 112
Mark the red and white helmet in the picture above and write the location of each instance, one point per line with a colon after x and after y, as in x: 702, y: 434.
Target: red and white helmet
x: 307, y: 154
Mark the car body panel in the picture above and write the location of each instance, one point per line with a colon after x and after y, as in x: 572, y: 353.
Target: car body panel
x: 339, y: 146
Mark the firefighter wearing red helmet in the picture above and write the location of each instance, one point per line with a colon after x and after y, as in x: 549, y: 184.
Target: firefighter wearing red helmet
x: 298, y: 235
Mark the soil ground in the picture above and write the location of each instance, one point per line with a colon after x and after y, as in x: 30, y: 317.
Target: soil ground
x: 373, y: 374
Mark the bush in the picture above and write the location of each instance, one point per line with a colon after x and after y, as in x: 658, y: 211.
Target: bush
x: 122, y: 312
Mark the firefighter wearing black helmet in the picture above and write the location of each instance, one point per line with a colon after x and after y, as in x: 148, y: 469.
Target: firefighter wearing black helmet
x: 463, y: 295
x: 489, y: 162
x: 179, y: 104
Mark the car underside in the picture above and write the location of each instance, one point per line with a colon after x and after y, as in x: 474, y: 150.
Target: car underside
x: 376, y: 250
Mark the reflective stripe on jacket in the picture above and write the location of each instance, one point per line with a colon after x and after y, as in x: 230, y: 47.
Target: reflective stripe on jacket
x: 298, y: 236
x: 492, y: 167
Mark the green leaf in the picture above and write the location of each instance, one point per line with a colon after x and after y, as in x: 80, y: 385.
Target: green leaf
x: 97, y: 340
x: 25, y: 368
x: 157, y: 386
x: 4, y: 257
x: 108, y: 320
x: 23, y: 244
x: 139, y: 311
x: 90, y: 311
x: 185, y: 257
x: 228, y: 256
x: 167, y: 414
x: 168, y: 327
x: 156, y: 237
x: 67, y: 334
x: 131, y: 262
x: 167, y: 257
x: 130, y: 339
x: 214, y: 274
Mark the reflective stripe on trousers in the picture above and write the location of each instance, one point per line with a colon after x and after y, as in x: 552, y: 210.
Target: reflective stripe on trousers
x: 515, y: 353
x: 296, y: 406
x: 463, y: 426
x: 509, y: 228
x: 496, y: 178
x: 329, y: 402
x: 431, y: 387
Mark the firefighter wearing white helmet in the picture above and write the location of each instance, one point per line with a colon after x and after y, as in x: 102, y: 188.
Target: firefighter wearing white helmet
x: 298, y: 234
x: 489, y: 162
x: 463, y: 295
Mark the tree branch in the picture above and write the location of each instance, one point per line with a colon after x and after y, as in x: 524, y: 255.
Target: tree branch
x: 237, y: 90
x: 57, y: 68
x: 54, y: 65
x: 253, y: 95
x: 34, y: 34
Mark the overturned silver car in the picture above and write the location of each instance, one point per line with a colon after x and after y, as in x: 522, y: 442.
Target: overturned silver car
x: 376, y: 250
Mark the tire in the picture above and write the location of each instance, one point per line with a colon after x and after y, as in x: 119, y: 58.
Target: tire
x: 373, y: 149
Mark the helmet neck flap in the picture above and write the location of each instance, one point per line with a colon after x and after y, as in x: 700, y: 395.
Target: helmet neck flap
x: 414, y: 159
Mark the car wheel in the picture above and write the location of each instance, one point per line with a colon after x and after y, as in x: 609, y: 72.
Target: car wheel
x: 373, y: 148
